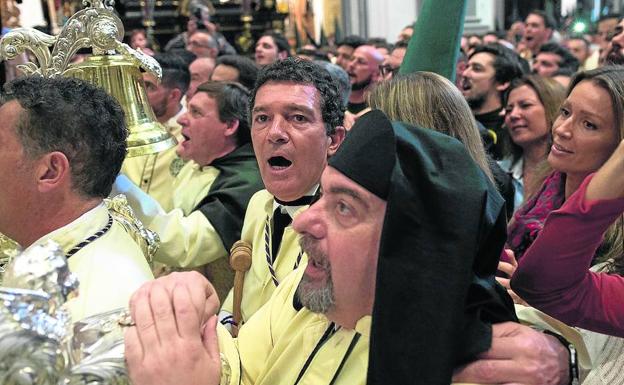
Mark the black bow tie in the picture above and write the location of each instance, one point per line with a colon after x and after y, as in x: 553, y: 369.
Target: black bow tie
x: 280, y: 221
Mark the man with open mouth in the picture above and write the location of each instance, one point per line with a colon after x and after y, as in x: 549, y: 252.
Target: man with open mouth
x: 490, y: 70
x: 296, y: 124
x: 538, y: 30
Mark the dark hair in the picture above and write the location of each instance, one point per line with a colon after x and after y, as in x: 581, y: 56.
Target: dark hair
x: 506, y: 62
x: 400, y: 44
x: 314, y: 54
x: 304, y: 71
x: 352, y: 41
x: 582, y: 38
x: 280, y: 41
x: 341, y: 77
x: 232, y: 104
x: 185, y: 56
x: 76, y: 118
x: 175, y: 72
x: 568, y: 64
x: 380, y: 42
x: 247, y: 69
x: 498, y: 34
x: 549, y: 22
x: 609, y: 17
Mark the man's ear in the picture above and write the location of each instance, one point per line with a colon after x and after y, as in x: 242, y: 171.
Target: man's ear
x: 232, y: 127
x: 336, y: 140
x: 175, y: 95
x: 500, y: 87
x: 53, y: 171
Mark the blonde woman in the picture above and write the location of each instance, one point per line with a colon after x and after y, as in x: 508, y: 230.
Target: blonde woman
x: 429, y: 100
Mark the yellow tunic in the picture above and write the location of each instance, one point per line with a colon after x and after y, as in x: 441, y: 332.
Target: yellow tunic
x: 187, y: 237
x: 109, y: 269
x: 274, y: 344
x: 192, y: 185
x: 155, y: 173
x: 259, y: 285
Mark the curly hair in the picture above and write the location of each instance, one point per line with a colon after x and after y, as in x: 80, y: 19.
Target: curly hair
x: 76, y: 118
x: 304, y: 71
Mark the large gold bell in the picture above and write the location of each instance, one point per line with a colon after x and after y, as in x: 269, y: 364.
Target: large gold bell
x: 122, y: 79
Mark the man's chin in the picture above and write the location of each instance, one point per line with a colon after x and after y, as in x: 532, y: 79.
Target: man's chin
x: 615, y: 58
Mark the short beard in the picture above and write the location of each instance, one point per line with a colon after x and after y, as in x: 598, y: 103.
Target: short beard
x: 160, y: 109
x: 476, y: 102
x: 317, y: 299
x: 362, y: 85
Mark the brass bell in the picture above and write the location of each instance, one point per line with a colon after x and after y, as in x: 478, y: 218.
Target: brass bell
x: 122, y: 79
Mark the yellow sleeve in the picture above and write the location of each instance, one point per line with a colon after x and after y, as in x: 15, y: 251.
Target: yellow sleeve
x: 186, y: 241
x: 230, y: 360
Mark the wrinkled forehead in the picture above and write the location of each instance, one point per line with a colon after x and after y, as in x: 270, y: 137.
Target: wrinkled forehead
x: 287, y: 94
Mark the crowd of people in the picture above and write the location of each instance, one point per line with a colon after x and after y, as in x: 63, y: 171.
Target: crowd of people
x: 393, y: 215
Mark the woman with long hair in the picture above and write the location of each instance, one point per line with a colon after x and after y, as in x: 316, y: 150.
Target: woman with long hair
x: 554, y: 274
x: 531, y: 106
x: 592, y: 144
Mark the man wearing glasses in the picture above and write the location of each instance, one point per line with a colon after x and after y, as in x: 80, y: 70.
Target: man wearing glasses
x: 392, y: 63
x: 203, y: 44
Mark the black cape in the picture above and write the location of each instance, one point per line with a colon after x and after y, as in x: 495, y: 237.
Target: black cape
x: 444, y: 228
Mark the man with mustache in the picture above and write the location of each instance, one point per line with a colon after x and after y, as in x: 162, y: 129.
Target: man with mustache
x: 370, y: 306
x: 363, y: 70
x: 490, y: 70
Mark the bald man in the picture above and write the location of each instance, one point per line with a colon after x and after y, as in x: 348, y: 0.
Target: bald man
x: 363, y: 70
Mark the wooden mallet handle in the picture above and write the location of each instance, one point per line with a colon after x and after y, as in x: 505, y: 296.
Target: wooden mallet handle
x: 240, y: 261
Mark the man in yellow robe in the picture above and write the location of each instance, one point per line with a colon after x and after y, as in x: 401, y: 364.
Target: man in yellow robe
x: 63, y: 142
x: 296, y: 125
x: 211, y: 192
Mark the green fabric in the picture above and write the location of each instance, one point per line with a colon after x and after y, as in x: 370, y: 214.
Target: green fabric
x: 434, y: 46
x: 227, y: 200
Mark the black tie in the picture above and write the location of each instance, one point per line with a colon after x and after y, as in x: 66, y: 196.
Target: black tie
x: 280, y: 221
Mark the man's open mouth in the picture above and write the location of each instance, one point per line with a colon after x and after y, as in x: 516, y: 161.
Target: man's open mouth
x: 279, y: 162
